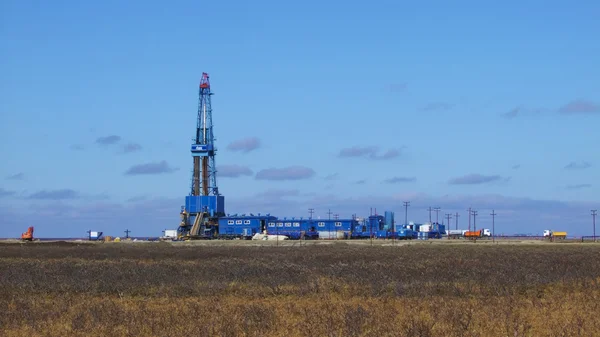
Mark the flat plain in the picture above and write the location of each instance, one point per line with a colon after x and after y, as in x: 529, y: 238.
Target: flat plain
x: 299, y: 289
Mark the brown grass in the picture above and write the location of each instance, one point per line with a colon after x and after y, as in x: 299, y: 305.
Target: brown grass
x: 338, y: 290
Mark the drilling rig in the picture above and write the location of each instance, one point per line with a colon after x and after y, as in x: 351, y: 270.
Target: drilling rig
x: 204, y: 205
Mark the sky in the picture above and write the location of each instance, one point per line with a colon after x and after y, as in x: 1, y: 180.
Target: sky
x: 348, y: 107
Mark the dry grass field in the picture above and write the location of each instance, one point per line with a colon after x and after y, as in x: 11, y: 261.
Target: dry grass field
x: 160, y: 289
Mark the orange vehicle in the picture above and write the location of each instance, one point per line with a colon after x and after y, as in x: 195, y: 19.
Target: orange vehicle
x: 27, y: 236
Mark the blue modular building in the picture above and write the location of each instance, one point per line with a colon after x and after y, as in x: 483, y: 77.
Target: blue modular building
x: 312, y: 228
x: 243, y: 226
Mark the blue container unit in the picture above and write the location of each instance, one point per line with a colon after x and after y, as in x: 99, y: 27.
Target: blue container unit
x: 213, y: 204
x: 243, y: 226
x: 311, y: 228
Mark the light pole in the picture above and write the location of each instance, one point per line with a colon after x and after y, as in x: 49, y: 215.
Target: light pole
x: 437, y: 213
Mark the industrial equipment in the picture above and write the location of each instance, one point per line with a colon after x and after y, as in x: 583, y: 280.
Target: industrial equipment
x: 27, y: 236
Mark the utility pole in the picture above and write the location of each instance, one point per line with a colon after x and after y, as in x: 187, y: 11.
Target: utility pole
x: 430, y: 209
x: 493, y: 214
x: 437, y: 213
x: 329, y: 213
x: 448, y: 217
x: 311, y: 211
x: 469, y: 210
x: 127, y: 231
x: 474, y: 223
x: 336, y: 217
x: 456, y: 217
x: 594, y: 211
x: 406, y: 204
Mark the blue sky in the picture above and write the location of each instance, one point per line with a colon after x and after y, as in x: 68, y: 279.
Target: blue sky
x: 494, y: 106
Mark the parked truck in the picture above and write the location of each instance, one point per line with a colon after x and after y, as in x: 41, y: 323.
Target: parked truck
x: 552, y: 235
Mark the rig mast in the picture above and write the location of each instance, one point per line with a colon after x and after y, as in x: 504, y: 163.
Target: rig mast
x: 204, y: 181
x: 204, y: 205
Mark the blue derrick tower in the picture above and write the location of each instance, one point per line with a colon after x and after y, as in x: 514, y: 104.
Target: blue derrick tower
x: 204, y: 205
